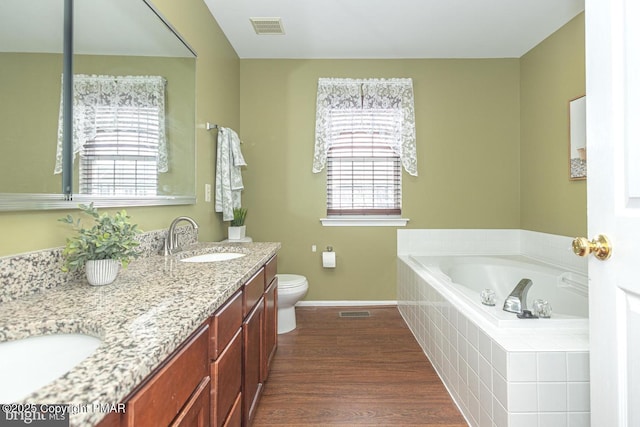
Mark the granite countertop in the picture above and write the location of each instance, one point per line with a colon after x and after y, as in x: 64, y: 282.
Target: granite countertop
x: 151, y: 308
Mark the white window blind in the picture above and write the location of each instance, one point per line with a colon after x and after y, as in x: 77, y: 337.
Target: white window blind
x: 364, y: 172
x: 122, y: 159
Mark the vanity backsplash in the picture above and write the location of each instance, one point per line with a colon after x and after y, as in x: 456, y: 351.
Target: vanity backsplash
x: 31, y: 272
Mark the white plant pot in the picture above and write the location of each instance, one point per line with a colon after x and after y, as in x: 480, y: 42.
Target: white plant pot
x: 102, y: 271
x: 237, y: 233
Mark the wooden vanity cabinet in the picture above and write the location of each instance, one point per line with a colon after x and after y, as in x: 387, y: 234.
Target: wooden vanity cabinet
x: 260, y: 334
x: 216, y: 377
x: 270, y: 315
x: 225, y: 353
x: 173, y: 396
x: 252, y: 331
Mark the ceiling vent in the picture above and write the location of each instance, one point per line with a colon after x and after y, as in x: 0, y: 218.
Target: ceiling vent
x: 267, y: 25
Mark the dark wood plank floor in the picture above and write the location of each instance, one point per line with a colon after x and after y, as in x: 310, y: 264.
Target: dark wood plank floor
x: 334, y: 371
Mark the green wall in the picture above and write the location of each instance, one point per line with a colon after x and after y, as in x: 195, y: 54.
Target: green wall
x: 552, y: 74
x: 467, y: 126
x: 30, y: 87
x: 217, y: 100
x: 492, y: 146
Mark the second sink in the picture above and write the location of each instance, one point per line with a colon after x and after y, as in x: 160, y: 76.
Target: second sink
x: 213, y: 257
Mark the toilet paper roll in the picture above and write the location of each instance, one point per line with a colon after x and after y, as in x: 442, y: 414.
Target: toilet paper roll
x: 329, y: 259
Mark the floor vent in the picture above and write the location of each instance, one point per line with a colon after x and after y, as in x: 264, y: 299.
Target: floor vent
x: 354, y: 314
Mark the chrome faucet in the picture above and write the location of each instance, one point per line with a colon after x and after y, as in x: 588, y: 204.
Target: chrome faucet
x: 516, y: 302
x: 171, y: 240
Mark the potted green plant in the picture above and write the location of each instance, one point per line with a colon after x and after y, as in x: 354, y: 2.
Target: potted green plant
x: 103, y: 248
x: 237, y: 229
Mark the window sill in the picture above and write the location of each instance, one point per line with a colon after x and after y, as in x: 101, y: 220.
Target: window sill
x: 364, y: 221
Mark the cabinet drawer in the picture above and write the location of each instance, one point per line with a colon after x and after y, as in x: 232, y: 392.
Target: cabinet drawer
x: 196, y: 411
x: 160, y: 399
x: 253, y: 290
x: 224, y: 324
x: 235, y: 416
x: 270, y: 270
x: 226, y: 375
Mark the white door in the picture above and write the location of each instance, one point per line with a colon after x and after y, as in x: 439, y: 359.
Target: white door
x: 613, y: 193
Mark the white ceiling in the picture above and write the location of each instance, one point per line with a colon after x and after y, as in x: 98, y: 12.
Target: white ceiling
x: 106, y: 27
x: 393, y: 28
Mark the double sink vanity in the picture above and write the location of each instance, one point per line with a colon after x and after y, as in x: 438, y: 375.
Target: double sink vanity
x: 179, y: 340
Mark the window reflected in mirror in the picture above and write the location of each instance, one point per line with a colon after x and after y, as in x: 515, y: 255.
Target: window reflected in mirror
x: 121, y: 164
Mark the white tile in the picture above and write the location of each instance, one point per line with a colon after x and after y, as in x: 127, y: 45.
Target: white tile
x: 473, y: 382
x: 474, y: 410
x: 552, y: 397
x: 552, y: 366
x: 578, y: 397
x: 484, y: 345
x: 472, y: 357
x: 500, y: 418
x: 523, y: 419
x: 472, y: 334
x: 500, y: 390
x: 522, y: 397
x: 552, y: 419
x: 485, y: 397
x: 499, y: 359
x: 462, y: 324
x: 522, y: 367
x: 579, y: 419
x: 485, y: 419
x: 485, y: 372
x: 578, y: 366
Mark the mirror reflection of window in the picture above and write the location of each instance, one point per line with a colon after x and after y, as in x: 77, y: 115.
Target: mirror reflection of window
x: 122, y: 159
x: 119, y: 134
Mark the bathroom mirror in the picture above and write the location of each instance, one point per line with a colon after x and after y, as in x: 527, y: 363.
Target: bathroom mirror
x: 578, y: 138
x: 111, y: 38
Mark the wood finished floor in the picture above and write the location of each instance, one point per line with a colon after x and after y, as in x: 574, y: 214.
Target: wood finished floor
x: 333, y: 371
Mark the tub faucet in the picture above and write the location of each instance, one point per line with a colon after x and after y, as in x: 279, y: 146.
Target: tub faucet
x: 516, y: 302
x: 171, y: 240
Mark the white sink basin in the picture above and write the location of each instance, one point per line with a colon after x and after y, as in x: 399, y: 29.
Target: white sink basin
x: 31, y: 363
x: 213, y: 257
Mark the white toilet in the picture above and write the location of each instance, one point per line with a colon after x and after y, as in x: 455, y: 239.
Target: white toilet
x: 291, y: 289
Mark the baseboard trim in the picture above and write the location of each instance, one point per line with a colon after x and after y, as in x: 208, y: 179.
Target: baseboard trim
x: 344, y: 303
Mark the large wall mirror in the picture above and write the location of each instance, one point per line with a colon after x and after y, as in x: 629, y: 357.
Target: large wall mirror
x: 133, y: 107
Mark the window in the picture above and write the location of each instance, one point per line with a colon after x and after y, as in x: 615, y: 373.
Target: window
x: 122, y: 159
x: 363, y: 172
x: 365, y: 136
x: 118, y: 133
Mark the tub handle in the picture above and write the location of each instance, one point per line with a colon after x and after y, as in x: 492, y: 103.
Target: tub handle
x: 600, y: 246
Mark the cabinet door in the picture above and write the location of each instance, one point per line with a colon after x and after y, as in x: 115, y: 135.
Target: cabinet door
x: 270, y: 326
x: 253, y: 349
x: 226, y: 375
x: 235, y: 416
x: 165, y: 393
x: 196, y: 411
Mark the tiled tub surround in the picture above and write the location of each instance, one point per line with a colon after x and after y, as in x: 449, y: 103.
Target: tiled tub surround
x: 153, y: 306
x: 517, y: 377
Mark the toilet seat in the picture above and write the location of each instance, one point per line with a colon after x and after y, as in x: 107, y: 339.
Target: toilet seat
x: 291, y: 281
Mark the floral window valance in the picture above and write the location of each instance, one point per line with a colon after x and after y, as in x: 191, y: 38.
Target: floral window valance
x: 348, y: 94
x: 93, y: 91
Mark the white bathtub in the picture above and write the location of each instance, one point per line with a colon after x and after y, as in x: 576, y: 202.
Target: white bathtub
x: 463, y: 278
x: 500, y: 370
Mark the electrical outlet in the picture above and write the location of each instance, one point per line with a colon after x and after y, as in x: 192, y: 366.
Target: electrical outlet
x: 207, y: 192
x: 313, y: 248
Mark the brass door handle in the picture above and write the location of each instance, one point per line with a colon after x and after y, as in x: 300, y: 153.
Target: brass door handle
x: 600, y: 246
